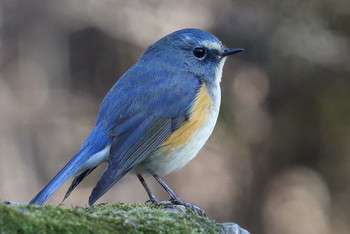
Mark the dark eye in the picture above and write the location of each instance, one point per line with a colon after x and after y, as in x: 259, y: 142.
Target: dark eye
x: 199, y: 52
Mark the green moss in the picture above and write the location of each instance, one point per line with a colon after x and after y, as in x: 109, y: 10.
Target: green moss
x: 114, y: 218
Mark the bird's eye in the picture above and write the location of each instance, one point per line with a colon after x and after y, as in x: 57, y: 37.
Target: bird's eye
x: 199, y: 52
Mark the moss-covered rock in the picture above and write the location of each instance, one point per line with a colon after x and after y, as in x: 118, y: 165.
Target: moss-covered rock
x: 114, y: 218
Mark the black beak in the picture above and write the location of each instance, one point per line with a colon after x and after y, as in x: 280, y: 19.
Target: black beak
x: 228, y: 51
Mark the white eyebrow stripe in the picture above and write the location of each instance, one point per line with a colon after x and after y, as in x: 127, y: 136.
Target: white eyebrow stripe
x: 212, y: 45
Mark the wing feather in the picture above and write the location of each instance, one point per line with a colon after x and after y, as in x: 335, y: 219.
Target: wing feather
x: 127, y: 152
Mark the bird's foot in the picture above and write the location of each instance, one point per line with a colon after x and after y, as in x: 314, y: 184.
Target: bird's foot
x: 195, y: 209
x: 159, y: 203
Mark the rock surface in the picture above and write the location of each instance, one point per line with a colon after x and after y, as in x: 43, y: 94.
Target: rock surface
x: 111, y: 218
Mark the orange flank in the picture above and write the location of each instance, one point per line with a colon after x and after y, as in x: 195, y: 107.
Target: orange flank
x: 199, y: 114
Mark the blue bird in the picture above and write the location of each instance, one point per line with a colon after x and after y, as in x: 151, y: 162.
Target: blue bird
x: 156, y: 117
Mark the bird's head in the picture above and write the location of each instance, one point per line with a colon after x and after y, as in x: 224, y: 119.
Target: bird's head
x: 190, y: 50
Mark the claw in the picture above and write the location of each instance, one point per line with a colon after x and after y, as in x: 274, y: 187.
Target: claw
x: 175, y: 200
x: 195, y: 209
x: 159, y: 203
x: 152, y: 201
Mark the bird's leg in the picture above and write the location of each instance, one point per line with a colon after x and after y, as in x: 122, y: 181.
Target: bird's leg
x: 176, y: 200
x: 152, y: 198
x: 148, y: 190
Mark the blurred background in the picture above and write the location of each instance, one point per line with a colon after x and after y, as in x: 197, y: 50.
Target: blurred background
x: 279, y: 158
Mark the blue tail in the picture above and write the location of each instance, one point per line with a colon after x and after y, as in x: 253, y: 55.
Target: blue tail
x: 67, y: 172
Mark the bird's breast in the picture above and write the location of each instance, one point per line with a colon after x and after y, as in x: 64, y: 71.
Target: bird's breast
x: 184, y: 143
x: 199, y: 114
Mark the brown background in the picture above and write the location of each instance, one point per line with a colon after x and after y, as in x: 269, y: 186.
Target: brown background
x: 278, y: 161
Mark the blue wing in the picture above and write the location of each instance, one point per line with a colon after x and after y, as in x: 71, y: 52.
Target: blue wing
x: 158, y: 103
x: 150, y: 90
x: 131, y: 149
